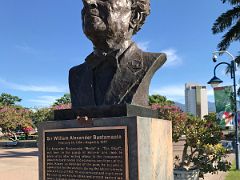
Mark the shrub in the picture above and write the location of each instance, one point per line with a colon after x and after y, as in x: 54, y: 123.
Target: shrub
x: 202, y: 149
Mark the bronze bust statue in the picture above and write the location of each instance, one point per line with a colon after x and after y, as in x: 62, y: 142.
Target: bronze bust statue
x: 117, y: 71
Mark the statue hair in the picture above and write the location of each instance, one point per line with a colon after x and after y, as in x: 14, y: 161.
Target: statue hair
x: 142, y: 7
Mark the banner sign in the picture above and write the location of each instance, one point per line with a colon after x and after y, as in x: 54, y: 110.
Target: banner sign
x: 224, y: 106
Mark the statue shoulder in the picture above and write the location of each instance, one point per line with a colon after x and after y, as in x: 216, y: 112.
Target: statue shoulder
x: 76, y: 72
x: 82, y: 67
x: 154, y: 60
x: 77, y: 69
x: 149, y: 58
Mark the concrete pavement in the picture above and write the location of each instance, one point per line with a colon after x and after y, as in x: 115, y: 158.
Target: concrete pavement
x: 19, y: 164
x: 220, y: 175
x: 22, y: 164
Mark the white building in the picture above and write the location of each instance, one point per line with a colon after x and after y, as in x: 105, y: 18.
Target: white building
x: 196, y: 101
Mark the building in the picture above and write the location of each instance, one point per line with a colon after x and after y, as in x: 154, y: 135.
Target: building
x: 196, y: 102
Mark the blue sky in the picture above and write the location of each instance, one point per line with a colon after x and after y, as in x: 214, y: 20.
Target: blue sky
x: 41, y: 40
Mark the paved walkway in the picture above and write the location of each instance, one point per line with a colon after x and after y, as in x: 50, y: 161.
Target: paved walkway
x: 220, y: 175
x: 22, y: 164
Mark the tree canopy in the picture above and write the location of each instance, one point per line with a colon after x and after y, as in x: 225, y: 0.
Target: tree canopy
x: 230, y: 22
x: 41, y: 115
x: 65, y: 99
x: 12, y: 117
x: 160, y: 100
x: 8, y: 99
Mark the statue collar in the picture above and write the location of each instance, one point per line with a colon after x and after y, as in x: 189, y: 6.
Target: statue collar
x: 98, y: 56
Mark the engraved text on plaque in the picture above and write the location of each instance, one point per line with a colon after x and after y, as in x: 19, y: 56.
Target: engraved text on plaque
x: 86, y: 153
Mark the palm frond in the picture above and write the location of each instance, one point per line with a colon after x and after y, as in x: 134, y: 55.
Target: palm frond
x: 232, y: 35
x: 228, y: 70
x: 226, y: 20
x: 237, y: 60
x: 232, y: 2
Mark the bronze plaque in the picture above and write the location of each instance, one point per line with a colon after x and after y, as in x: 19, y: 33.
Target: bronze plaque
x: 86, y: 154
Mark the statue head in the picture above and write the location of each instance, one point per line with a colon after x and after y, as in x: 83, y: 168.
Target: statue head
x: 111, y: 23
x: 140, y: 10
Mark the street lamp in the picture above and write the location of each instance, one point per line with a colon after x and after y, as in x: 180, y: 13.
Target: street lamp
x: 215, y: 81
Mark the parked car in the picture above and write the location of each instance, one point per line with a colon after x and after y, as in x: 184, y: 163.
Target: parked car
x: 227, y: 144
x: 19, y: 133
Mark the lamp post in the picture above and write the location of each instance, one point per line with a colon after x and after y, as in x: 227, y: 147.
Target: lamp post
x: 215, y: 81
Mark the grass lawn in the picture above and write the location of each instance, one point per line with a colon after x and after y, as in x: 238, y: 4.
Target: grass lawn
x: 233, y: 174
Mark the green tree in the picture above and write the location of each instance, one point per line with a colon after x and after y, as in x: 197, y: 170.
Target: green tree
x: 211, y: 117
x: 8, y: 99
x: 41, y: 115
x: 12, y: 117
x: 65, y: 99
x: 202, y: 148
x: 230, y: 22
x: 160, y: 100
x: 174, y: 114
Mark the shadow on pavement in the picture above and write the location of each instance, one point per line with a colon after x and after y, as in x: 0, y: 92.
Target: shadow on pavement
x: 9, y: 154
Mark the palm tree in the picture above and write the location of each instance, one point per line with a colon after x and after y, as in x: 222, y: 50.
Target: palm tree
x: 230, y: 22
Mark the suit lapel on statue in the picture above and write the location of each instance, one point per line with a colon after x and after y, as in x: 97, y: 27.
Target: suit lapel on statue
x: 127, y: 77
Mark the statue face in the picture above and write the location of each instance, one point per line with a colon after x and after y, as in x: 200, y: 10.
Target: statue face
x: 106, y: 19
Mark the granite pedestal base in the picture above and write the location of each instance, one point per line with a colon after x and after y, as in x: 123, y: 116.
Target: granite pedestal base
x: 124, y: 148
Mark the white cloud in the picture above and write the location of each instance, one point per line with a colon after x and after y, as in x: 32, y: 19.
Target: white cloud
x: 174, y: 92
x: 177, y: 93
x: 143, y: 45
x: 173, y: 59
x: 32, y: 88
x: 44, y: 101
x: 170, y: 90
x: 26, y: 48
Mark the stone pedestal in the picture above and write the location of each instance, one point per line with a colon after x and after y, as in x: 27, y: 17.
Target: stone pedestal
x: 117, y: 110
x: 126, y: 148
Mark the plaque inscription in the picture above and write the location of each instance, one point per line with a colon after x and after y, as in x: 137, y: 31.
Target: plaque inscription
x: 86, y: 153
